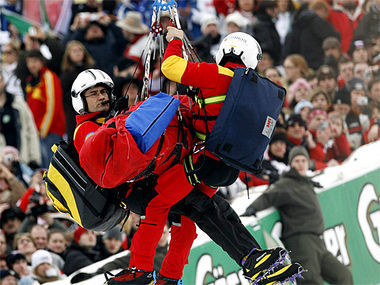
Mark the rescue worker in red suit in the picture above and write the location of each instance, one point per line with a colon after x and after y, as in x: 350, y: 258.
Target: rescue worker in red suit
x: 93, y: 129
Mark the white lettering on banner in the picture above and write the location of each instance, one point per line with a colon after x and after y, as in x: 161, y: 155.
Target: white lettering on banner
x: 206, y: 271
x: 336, y: 242
x: 369, y: 221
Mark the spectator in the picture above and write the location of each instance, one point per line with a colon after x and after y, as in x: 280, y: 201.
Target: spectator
x: 327, y: 80
x: 38, y: 207
x: 295, y: 67
x: 320, y: 99
x: 43, y: 268
x: 11, y: 159
x: 11, y: 188
x: 247, y: 8
x: 17, y: 263
x: 135, y: 32
x: 44, y: 97
x: 346, y: 71
x: 111, y: 242
x: 344, y: 16
x: 81, y: 252
x: 374, y: 90
x: 25, y: 245
x: 75, y: 59
x: 284, y: 21
x: 56, y: 242
x: 207, y: 45
x: 50, y: 48
x: 10, y: 222
x: 39, y: 235
x: 373, y: 132
x: 299, y: 90
x: 295, y: 131
x: 303, y: 108
x: 340, y: 149
x: 10, y: 53
x: 293, y: 195
x: 360, y: 69
x: 3, y: 245
x: 369, y: 26
x: 359, y: 52
x: 19, y: 130
x: 265, y: 31
x: 356, y: 120
x: 309, y: 29
x: 101, y: 37
x: 7, y: 278
x: 235, y: 22
x: 332, y: 52
x: 319, y: 128
x: 128, y: 86
x: 273, y: 74
x: 125, y: 67
x: 312, y: 79
x: 342, y: 103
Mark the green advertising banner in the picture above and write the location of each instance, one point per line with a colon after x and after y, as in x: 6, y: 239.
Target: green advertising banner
x: 352, y: 219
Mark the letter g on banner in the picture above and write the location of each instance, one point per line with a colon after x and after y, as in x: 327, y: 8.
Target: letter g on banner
x: 370, y: 221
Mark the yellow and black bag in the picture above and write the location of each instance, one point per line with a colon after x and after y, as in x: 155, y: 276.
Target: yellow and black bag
x: 75, y: 194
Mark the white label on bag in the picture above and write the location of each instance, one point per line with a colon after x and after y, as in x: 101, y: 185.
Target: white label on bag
x: 270, y: 123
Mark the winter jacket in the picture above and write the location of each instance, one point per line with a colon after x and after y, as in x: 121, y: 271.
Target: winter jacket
x: 340, y: 149
x: 44, y: 97
x: 306, y: 37
x: 77, y: 257
x: 18, y: 129
x: 344, y: 24
x: 104, y: 51
x: 121, y: 160
x: 369, y: 25
x: 266, y: 34
x: 294, y: 197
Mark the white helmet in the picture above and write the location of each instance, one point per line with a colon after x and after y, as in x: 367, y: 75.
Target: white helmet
x: 87, y: 79
x: 240, y: 45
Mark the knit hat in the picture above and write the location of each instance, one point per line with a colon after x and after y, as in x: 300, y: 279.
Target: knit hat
x: 114, y: 233
x: 299, y: 83
x: 342, y: 97
x: 355, y: 84
x: 302, y: 104
x: 208, y: 20
x: 237, y: 19
x: 315, y: 113
x: 330, y: 42
x: 295, y: 118
x: 13, y: 258
x: 297, y: 150
x: 78, y: 233
x: 41, y: 256
x: 279, y: 137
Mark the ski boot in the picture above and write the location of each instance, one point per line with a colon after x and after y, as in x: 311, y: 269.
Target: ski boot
x: 286, y: 273
x: 259, y: 262
x: 161, y: 280
x: 131, y: 276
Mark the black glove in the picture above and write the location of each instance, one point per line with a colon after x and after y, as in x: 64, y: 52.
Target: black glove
x: 121, y: 104
x: 250, y: 211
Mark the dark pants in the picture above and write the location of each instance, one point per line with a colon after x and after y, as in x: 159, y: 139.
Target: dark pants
x: 219, y: 221
x: 310, y: 251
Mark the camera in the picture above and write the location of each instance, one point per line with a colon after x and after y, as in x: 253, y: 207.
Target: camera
x: 8, y: 158
x: 362, y: 101
x: 324, y: 125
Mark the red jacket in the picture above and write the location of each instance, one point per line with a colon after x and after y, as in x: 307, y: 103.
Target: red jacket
x: 109, y: 154
x: 344, y: 25
x: 340, y: 150
x: 45, y: 102
x: 212, y: 79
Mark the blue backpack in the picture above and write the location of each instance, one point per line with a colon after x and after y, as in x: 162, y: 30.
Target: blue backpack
x: 149, y: 121
x: 247, y: 120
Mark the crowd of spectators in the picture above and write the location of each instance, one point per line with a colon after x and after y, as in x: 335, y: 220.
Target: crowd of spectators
x: 326, y: 53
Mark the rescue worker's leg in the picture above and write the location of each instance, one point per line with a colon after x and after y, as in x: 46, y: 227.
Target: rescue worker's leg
x: 182, y: 237
x: 171, y: 187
